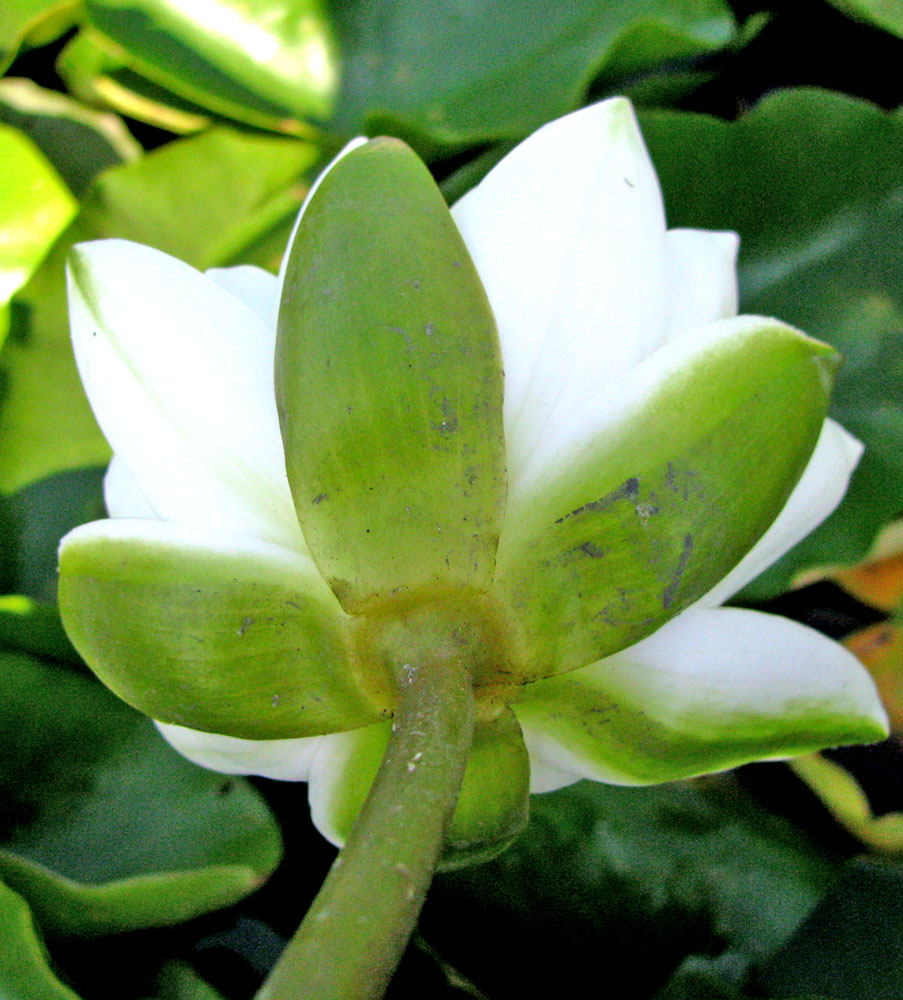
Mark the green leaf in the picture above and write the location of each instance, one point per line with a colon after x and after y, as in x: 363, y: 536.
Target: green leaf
x: 105, y: 828
x: 179, y: 981
x: 630, y: 881
x: 98, y: 72
x: 34, y: 22
x: 248, y: 59
x: 204, y: 200
x: 851, y: 947
x: 886, y: 14
x: 389, y: 385
x: 35, y: 628
x: 33, y: 521
x: 79, y: 142
x: 640, y: 524
x: 811, y: 182
x: 202, y: 638
x: 24, y: 971
x: 34, y: 207
x: 450, y: 76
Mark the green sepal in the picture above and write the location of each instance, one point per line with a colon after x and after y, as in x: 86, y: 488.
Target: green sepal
x: 245, y: 641
x: 389, y: 384
x: 650, y: 515
x: 493, y: 806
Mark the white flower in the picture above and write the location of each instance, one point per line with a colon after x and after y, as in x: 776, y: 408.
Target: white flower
x: 647, y: 453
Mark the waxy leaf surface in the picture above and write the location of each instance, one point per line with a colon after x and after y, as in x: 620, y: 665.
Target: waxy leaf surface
x: 105, y: 828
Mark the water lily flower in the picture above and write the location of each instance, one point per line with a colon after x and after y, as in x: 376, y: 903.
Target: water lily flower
x: 255, y: 585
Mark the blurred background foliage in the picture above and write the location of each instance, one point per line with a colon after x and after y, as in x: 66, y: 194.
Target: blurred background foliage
x: 196, y: 126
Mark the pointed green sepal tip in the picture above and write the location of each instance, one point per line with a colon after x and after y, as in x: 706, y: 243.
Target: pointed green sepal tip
x: 389, y: 384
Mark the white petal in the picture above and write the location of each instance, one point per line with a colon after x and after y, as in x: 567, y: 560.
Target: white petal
x: 341, y: 775
x: 258, y: 289
x: 346, y: 149
x: 603, y: 424
x: 568, y: 236
x: 544, y: 778
x: 710, y: 690
x: 702, y: 278
x: 180, y: 376
x: 820, y: 489
x: 285, y: 760
x: 121, y: 494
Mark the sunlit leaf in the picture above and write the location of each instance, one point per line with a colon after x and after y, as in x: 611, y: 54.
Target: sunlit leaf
x: 79, y: 142
x: 845, y: 799
x: 34, y: 22
x: 97, y: 71
x: 206, y: 200
x: 880, y: 649
x: 34, y: 207
x: 254, y: 58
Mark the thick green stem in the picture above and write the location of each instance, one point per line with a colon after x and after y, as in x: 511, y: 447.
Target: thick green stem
x: 356, y: 930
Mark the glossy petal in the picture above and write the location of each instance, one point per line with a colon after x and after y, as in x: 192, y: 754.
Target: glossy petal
x: 819, y: 491
x: 711, y: 690
x: 389, y: 385
x: 284, y: 760
x: 695, y: 461
x: 702, y: 278
x: 224, y: 634
x: 257, y: 289
x: 177, y: 377
x: 568, y: 236
x: 492, y: 806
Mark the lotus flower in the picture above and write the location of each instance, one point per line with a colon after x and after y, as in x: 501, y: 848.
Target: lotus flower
x: 258, y: 584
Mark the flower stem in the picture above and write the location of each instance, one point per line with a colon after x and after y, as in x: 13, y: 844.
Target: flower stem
x: 355, y: 932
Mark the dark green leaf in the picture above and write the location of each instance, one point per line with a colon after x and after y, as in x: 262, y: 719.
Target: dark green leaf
x: 811, y: 182
x: 105, y: 828
x: 851, y: 947
x: 179, y: 981
x: 447, y: 75
x: 628, y: 880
